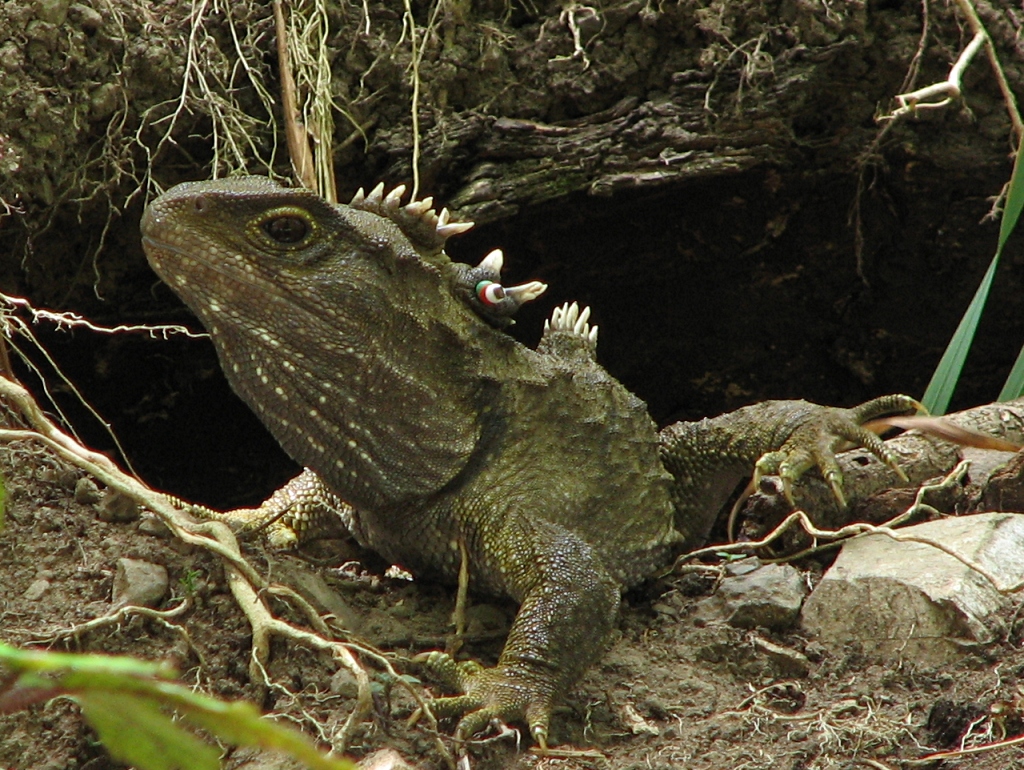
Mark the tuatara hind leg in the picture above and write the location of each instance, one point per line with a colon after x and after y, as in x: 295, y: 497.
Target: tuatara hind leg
x: 815, y: 441
x: 709, y: 457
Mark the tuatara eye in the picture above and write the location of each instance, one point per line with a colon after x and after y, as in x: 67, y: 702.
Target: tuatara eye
x: 286, y: 229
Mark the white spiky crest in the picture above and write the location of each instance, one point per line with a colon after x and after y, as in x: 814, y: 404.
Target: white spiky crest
x: 570, y: 318
x: 422, y: 210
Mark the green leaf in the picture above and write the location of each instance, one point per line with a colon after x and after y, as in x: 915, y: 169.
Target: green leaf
x: 943, y: 383
x: 135, y: 730
x: 74, y: 663
x: 239, y: 722
x: 1014, y: 385
x: 128, y: 702
x: 1014, y: 201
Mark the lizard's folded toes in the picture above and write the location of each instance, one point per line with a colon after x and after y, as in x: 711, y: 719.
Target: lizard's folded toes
x: 489, y: 695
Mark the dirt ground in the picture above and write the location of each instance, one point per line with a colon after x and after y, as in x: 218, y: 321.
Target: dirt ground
x: 675, y: 690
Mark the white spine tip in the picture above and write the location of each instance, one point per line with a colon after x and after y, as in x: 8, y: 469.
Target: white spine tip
x: 446, y: 230
x: 493, y: 262
x: 580, y: 326
x: 526, y: 292
x: 418, y: 208
x: 394, y: 198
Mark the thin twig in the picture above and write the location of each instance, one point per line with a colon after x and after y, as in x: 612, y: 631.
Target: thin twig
x: 295, y: 131
x: 415, y: 106
x: 968, y: 10
x: 945, y: 91
x: 938, y: 95
x: 938, y: 756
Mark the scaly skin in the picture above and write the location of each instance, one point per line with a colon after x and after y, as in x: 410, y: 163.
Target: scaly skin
x: 351, y: 334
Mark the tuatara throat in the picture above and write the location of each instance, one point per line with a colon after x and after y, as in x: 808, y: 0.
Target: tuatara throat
x: 376, y: 363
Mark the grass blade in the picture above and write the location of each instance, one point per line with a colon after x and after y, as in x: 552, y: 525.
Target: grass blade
x: 1014, y: 385
x: 944, y: 380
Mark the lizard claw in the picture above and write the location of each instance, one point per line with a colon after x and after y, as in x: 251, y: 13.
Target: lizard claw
x: 488, y: 695
x: 820, y: 432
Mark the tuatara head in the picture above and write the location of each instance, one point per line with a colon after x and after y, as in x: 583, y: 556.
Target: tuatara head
x: 346, y: 338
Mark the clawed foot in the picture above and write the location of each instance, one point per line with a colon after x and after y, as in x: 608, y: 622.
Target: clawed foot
x: 488, y: 694
x: 824, y: 431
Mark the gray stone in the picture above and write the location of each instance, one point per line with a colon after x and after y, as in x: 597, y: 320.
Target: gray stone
x: 139, y: 583
x: 766, y: 596
x: 116, y: 507
x: 310, y: 584
x: 912, y: 600
x: 385, y: 759
x: 35, y: 591
x: 153, y: 525
x: 344, y: 683
x: 86, y: 491
x: 52, y: 11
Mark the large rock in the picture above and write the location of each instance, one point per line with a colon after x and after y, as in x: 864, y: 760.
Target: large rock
x: 911, y: 600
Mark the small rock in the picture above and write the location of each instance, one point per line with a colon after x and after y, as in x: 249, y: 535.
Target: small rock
x: 385, y: 759
x: 139, y: 583
x: 88, y: 19
x: 104, y: 101
x: 153, y: 525
x: 311, y: 585
x: 35, y: 591
x: 344, y: 683
x: 52, y: 11
x: 48, y: 519
x: 636, y: 724
x: 65, y: 477
x: 768, y: 596
x: 115, y: 507
x: 911, y: 600
x: 783, y: 661
x: 86, y: 491
x: 664, y: 608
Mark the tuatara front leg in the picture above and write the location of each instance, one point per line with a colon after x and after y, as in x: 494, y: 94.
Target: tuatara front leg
x: 303, y: 509
x: 708, y: 458
x: 568, y: 600
x: 568, y: 604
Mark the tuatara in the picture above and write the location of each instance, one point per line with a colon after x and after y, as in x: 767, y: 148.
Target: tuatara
x: 379, y: 365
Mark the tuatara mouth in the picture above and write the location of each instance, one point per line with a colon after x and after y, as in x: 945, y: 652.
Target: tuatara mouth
x: 162, y: 255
